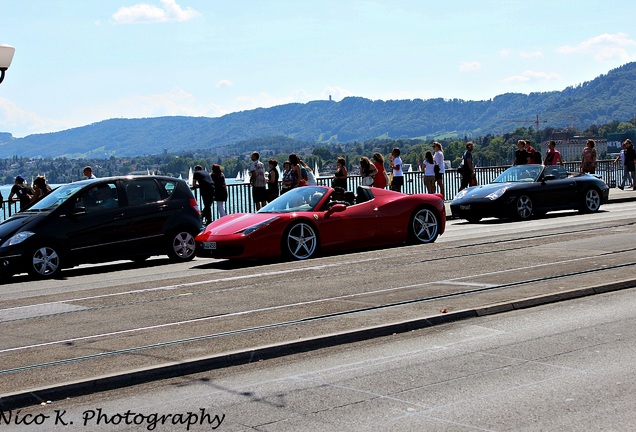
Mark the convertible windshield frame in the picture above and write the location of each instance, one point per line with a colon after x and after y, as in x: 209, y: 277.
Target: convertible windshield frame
x: 300, y: 199
x: 520, y: 174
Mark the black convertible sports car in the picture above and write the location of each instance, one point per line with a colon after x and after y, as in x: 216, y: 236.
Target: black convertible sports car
x: 526, y: 190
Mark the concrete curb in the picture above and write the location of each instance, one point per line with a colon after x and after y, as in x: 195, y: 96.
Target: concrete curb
x: 170, y: 370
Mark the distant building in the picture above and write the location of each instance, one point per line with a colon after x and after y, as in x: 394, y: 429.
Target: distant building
x: 571, y: 146
x: 615, y: 140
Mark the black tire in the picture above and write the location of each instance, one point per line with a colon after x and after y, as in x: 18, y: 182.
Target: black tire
x: 181, y: 245
x: 44, y: 262
x: 300, y: 241
x: 473, y: 219
x: 523, y: 207
x: 424, y: 226
x: 591, y: 201
x: 140, y: 259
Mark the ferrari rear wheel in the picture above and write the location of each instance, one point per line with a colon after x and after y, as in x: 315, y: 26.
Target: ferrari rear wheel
x: 424, y: 226
x: 524, y: 207
x: 301, y: 241
x: 592, y: 201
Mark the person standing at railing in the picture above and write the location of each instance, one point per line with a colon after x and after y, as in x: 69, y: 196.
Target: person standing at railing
x: 466, y: 169
x: 397, y: 179
x: 340, y: 176
x: 202, y: 180
x: 521, y: 155
x: 439, y: 169
x: 220, y: 189
x: 381, y: 179
x: 630, y: 159
x: 429, y: 173
x: 588, y: 158
x: 272, y: 181
x: 257, y: 180
x: 627, y: 176
x: 21, y: 192
x: 553, y: 156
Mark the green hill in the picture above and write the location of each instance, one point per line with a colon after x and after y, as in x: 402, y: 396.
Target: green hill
x: 605, y: 99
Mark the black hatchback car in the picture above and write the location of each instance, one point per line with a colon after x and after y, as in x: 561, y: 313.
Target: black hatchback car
x: 101, y: 220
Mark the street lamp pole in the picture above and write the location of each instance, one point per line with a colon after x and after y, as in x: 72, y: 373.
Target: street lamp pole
x: 6, y: 55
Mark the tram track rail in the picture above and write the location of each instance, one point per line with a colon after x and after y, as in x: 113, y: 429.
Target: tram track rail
x: 306, y: 320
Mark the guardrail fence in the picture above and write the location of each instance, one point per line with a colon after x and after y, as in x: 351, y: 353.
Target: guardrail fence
x: 240, y: 196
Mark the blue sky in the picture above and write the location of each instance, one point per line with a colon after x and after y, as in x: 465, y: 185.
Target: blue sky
x: 82, y: 61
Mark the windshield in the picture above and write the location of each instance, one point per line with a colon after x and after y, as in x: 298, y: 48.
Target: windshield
x: 519, y: 173
x: 300, y: 199
x: 56, y: 197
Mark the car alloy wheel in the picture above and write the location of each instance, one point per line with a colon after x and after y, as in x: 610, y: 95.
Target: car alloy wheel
x: 45, y: 262
x: 592, y: 201
x: 524, y: 207
x: 424, y: 226
x: 182, y: 246
x: 301, y: 241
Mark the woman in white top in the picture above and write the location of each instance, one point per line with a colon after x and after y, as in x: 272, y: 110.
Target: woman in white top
x: 438, y: 158
x: 429, y: 173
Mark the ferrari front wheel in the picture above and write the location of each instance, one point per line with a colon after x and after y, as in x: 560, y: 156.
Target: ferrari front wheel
x: 523, y: 207
x: 424, y: 226
x: 301, y: 241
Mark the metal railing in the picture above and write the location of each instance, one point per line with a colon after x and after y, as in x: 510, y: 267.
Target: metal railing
x: 240, y: 195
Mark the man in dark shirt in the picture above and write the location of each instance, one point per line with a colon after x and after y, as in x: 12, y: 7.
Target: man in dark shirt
x: 22, y: 192
x: 202, y: 180
x: 521, y: 155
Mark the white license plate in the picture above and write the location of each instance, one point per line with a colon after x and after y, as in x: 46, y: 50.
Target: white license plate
x: 209, y: 245
x: 464, y: 207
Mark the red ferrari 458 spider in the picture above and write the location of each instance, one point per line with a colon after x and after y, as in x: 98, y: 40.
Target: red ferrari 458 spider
x: 307, y: 220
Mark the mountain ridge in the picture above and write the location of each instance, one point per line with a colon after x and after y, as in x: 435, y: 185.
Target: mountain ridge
x: 606, y: 98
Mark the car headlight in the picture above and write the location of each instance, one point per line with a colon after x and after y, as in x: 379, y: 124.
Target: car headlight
x: 496, y: 194
x: 17, y: 238
x: 461, y: 193
x: 250, y: 230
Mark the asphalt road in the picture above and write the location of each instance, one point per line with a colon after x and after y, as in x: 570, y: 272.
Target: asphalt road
x: 564, y: 367
x: 91, y: 329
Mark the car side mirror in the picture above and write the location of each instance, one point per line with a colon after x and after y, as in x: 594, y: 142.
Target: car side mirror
x: 549, y: 177
x: 336, y: 208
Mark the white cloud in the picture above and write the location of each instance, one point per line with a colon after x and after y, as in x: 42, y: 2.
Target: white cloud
x: 224, y: 83
x: 605, y: 47
x: 472, y: 66
x: 147, y: 13
x: 533, y: 76
x: 505, y: 53
x: 14, y: 118
x: 531, y: 54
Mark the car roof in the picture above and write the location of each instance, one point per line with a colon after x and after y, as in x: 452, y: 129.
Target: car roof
x: 127, y: 177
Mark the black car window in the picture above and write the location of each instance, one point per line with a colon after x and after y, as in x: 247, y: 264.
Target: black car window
x: 141, y: 191
x: 99, y: 198
x: 168, y: 185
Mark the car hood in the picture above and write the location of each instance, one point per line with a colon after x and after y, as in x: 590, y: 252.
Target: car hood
x: 232, y: 224
x: 483, y: 191
x: 17, y: 223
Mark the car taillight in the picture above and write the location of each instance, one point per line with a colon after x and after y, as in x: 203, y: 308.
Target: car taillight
x: 195, y: 205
